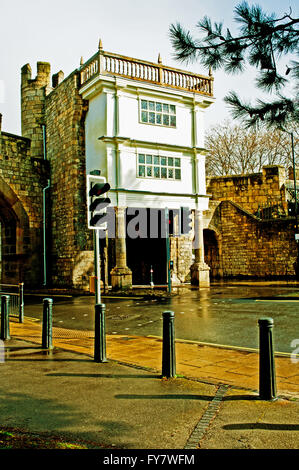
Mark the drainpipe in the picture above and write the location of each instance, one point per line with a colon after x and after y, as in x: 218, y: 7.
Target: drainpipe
x: 44, y: 212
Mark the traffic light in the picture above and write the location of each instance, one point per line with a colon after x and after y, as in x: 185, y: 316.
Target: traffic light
x: 174, y: 222
x: 186, y: 220
x: 170, y: 265
x: 97, y: 186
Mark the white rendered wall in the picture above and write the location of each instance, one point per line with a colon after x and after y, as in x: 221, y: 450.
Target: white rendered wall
x: 113, y: 115
x: 131, y: 126
x: 129, y: 180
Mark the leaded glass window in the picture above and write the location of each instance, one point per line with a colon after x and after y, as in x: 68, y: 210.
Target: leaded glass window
x: 158, y: 167
x: 160, y: 114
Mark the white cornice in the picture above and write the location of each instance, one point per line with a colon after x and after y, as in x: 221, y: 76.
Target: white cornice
x: 112, y: 83
x: 141, y: 143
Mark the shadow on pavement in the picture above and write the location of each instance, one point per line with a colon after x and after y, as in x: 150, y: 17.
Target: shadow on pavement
x: 46, y: 415
x: 241, y: 397
x: 165, y: 397
x: 190, y: 397
x: 105, y: 376
x: 268, y: 426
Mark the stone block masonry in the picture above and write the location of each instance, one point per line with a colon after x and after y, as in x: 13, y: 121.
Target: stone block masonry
x: 22, y: 179
x: 253, y: 248
x: 33, y: 94
x: 181, y: 255
x: 53, y: 120
x: 72, y: 255
x: 240, y: 243
x: 252, y: 190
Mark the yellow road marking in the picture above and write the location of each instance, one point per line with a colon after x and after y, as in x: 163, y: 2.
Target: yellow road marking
x: 276, y: 300
x: 226, y: 346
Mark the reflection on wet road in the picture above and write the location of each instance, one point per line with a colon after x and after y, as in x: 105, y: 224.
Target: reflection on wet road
x: 226, y: 315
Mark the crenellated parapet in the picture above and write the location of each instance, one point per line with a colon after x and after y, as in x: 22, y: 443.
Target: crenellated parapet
x: 33, y: 95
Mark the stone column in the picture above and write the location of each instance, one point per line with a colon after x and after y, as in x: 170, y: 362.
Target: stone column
x: 200, y: 271
x: 121, y: 275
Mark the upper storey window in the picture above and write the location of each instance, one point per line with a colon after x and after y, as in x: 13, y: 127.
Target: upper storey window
x: 159, y: 114
x: 155, y: 166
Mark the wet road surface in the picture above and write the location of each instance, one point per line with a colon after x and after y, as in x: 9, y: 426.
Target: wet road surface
x: 226, y: 315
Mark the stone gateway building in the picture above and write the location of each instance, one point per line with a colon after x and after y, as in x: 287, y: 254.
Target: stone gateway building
x: 142, y: 125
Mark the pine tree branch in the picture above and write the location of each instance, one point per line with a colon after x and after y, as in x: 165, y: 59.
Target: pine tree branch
x: 176, y: 31
x: 276, y: 113
x: 261, y: 42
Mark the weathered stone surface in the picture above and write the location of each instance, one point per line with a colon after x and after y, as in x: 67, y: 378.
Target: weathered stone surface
x: 239, y: 242
x: 22, y: 179
x: 64, y: 118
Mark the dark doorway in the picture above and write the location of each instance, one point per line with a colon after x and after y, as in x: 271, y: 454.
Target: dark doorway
x: 148, y: 252
x: 8, y: 234
x: 212, y: 257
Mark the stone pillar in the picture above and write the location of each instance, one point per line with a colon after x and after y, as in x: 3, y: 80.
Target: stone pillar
x: 121, y: 275
x: 200, y: 271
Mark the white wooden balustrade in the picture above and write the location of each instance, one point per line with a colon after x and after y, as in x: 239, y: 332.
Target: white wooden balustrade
x: 114, y: 64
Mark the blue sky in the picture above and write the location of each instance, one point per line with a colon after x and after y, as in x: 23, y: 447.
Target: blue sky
x: 61, y: 31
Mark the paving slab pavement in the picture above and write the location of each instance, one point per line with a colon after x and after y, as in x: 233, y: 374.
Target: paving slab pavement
x: 234, y: 366
x: 126, y: 404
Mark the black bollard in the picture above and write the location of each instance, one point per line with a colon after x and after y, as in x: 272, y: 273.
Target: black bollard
x: 100, y: 334
x: 267, y: 377
x: 168, y: 351
x: 47, y: 324
x: 5, y: 317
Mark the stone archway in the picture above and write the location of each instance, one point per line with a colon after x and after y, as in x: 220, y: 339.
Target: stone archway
x: 15, y: 236
x: 212, y: 248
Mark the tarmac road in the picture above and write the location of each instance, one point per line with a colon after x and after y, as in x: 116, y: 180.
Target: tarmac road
x: 223, y: 314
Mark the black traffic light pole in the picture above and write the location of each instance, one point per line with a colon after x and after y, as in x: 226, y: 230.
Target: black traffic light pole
x: 97, y: 186
x: 100, y: 330
x: 97, y: 266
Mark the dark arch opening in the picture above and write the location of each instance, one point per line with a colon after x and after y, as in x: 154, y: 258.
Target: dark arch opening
x: 14, y: 236
x: 212, y: 255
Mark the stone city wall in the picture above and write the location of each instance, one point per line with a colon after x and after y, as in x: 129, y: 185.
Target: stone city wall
x: 22, y: 179
x: 72, y: 255
x: 249, y: 247
x: 250, y: 191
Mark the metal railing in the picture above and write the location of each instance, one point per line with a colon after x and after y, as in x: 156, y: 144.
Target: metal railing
x: 16, y: 294
x: 271, y: 210
x: 114, y: 64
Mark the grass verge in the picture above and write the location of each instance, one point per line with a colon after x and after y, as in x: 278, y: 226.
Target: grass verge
x: 14, y: 438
